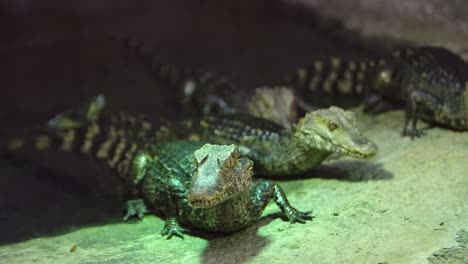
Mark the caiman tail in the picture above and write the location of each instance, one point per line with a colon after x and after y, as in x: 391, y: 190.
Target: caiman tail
x: 334, y: 77
x: 199, y: 89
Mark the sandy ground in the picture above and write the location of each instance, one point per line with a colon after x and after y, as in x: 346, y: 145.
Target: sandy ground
x: 406, y: 205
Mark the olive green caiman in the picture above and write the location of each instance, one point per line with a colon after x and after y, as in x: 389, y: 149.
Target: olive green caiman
x: 430, y: 81
x: 275, y: 150
x: 189, y: 183
x: 279, y: 151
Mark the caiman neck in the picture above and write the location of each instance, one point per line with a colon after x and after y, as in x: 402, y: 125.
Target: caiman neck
x: 229, y: 216
x: 293, y: 153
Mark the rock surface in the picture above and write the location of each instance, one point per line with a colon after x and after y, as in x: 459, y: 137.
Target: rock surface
x: 421, y: 22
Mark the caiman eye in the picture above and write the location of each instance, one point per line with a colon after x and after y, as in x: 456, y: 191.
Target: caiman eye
x: 231, y: 162
x: 332, y: 126
x: 202, y: 161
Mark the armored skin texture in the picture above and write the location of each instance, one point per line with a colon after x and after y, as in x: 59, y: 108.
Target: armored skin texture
x: 275, y: 150
x: 188, y: 183
x: 279, y: 151
x: 206, y: 186
x: 431, y: 82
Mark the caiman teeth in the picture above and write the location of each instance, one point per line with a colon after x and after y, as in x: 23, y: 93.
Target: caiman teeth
x: 202, y: 203
x: 360, y: 154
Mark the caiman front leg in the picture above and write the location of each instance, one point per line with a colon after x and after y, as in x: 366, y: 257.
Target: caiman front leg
x: 264, y: 191
x: 172, y: 226
x: 416, y: 100
x: 290, y: 212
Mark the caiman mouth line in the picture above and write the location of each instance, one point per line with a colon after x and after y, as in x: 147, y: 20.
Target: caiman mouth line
x: 211, y: 202
x: 361, y: 154
x: 202, y: 203
x: 357, y: 153
x: 347, y: 151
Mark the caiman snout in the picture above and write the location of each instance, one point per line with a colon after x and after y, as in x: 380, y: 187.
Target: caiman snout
x: 367, y: 150
x: 203, y: 195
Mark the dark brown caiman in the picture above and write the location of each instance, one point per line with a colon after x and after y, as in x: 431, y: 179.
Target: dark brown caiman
x: 431, y: 82
x: 210, y: 92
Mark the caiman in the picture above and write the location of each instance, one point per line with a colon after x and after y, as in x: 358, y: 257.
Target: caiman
x: 431, y: 82
x: 210, y: 92
x: 275, y: 150
x: 279, y: 151
x: 188, y: 183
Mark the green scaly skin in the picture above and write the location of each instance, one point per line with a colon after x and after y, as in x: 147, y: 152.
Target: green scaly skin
x: 276, y: 151
x: 204, y: 186
x: 284, y: 151
x: 430, y: 81
x: 188, y: 183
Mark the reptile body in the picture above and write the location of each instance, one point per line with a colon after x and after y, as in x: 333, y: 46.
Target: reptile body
x: 209, y: 92
x: 275, y: 150
x: 279, y: 151
x: 191, y: 183
x: 204, y: 90
x: 431, y: 82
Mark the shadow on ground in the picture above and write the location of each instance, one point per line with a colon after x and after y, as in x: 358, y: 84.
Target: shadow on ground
x: 239, y: 247
x: 37, y: 202
x: 346, y: 170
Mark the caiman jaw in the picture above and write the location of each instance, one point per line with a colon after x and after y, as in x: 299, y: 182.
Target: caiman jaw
x: 365, y: 151
x: 220, y: 175
x: 362, y: 148
x: 202, y: 201
x: 357, y: 146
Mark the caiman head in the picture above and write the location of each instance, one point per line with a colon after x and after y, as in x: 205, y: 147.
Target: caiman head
x: 220, y: 174
x: 334, y: 129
